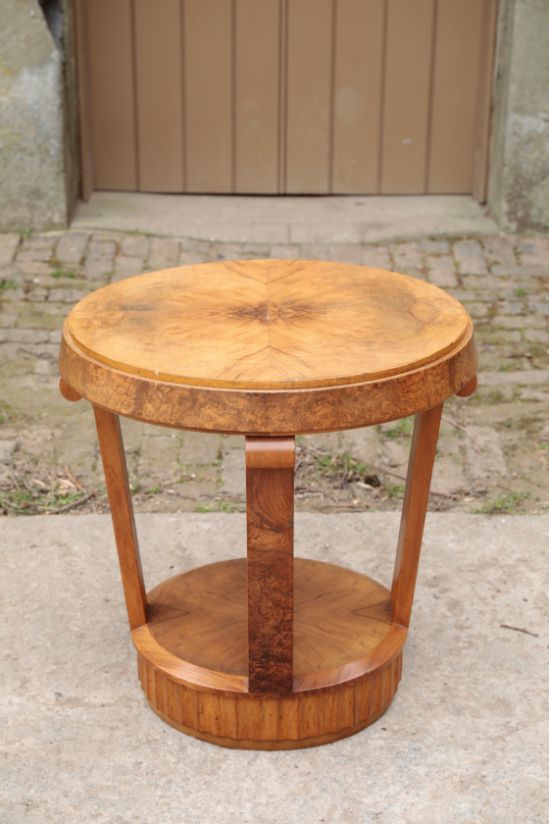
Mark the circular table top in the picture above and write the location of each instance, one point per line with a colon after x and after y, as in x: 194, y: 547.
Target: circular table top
x: 267, y: 325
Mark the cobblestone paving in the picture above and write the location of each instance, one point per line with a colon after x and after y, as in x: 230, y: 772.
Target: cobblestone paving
x: 494, y: 449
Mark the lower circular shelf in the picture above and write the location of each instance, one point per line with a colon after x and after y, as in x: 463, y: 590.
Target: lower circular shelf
x: 193, y: 657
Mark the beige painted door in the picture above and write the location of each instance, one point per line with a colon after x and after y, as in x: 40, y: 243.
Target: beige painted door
x: 285, y: 96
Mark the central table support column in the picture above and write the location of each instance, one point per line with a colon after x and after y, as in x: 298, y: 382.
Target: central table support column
x: 270, y: 466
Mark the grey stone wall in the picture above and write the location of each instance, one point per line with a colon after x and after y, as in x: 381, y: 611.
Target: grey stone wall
x: 32, y: 179
x: 518, y: 192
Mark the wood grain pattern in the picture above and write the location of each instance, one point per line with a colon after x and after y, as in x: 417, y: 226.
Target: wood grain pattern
x: 268, y: 324
x: 342, y: 633
x: 269, y: 652
x: 270, y: 512
x: 420, y: 468
x: 259, y: 723
x: 118, y: 490
x: 161, y: 346
x: 347, y: 657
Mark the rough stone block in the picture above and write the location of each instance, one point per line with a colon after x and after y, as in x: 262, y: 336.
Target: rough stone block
x: 164, y: 252
x: 8, y: 247
x: 72, y: 247
x: 407, y: 256
x: 284, y: 250
x: 135, y: 246
x: 7, y: 448
x: 126, y: 266
x: 376, y: 256
x: 448, y: 476
x: 434, y: 247
x: 234, y: 473
x: 484, y: 453
x: 500, y: 250
x: 469, y: 257
x: 441, y: 271
x: 202, y: 447
x: 364, y: 445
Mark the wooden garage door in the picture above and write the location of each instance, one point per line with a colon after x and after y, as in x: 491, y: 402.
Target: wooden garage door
x: 285, y: 96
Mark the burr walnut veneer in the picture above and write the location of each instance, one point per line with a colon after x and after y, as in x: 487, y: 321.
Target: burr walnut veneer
x: 269, y: 651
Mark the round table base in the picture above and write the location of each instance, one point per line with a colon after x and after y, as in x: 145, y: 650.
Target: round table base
x: 193, y: 657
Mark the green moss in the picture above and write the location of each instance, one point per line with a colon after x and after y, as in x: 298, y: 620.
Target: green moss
x: 6, y: 284
x: 507, y: 503
x: 401, y: 429
x: 8, y: 413
x: 495, y: 396
x: 394, y: 490
x: 218, y: 506
x: 66, y: 274
x: 31, y: 500
x: 345, y: 468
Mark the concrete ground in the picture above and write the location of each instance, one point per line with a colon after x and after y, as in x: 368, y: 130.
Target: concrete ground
x: 463, y: 743
x: 285, y: 220
x: 493, y: 452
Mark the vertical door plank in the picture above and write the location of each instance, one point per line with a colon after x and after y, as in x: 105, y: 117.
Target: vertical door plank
x: 112, y: 102
x: 159, y: 95
x: 208, y: 80
x: 482, y: 127
x: 408, y: 50
x: 257, y: 49
x: 357, y: 95
x: 308, y: 103
x: 458, y: 44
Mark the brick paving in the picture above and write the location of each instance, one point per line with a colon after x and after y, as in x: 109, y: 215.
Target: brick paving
x: 494, y: 448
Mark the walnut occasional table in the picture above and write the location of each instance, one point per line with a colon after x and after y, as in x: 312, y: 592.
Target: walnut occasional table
x: 269, y: 652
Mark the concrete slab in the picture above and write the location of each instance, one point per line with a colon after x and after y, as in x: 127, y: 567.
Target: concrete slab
x: 463, y: 741
x: 236, y: 218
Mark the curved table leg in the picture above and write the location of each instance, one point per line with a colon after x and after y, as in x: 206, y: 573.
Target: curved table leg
x: 270, y: 508
x: 118, y: 490
x: 416, y: 497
